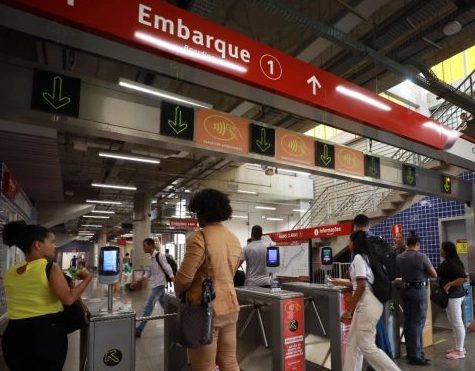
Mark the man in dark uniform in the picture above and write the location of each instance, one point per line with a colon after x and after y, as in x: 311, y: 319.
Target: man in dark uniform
x: 415, y: 269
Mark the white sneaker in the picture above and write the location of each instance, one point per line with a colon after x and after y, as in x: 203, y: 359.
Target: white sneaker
x: 457, y: 354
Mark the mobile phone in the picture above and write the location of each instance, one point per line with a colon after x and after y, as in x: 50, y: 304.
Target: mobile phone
x: 273, y: 256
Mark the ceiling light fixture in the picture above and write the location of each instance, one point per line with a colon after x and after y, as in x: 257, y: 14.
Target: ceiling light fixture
x: 114, y: 186
x: 96, y: 216
x: 247, y: 192
x: 189, y: 53
x: 104, y: 202
x: 362, y: 98
x: 293, y: 172
x: 129, y: 157
x: 161, y: 93
x: 240, y: 216
x: 266, y: 208
x: 276, y: 219
x: 103, y: 211
x: 299, y: 210
x: 452, y: 28
x: 91, y: 225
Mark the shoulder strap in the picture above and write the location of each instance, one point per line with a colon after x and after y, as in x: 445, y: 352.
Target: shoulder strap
x: 160, y: 265
x: 48, y: 269
x: 206, y: 252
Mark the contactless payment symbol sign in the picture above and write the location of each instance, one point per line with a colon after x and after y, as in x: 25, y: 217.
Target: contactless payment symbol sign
x: 55, y: 93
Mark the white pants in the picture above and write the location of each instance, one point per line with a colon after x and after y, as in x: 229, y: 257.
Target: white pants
x: 454, y: 315
x: 361, y: 339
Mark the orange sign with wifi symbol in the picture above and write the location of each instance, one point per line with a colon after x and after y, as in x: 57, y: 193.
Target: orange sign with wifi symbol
x: 224, y: 132
x: 294, y: 147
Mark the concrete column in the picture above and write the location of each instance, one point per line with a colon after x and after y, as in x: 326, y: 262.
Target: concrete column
x: 142, y: 228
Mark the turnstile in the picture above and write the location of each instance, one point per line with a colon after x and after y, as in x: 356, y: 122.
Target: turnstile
x: 270, y: 332
x: 325, y: 335
x: 108, y: 342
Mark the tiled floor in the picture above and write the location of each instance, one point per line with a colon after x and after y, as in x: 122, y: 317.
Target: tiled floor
x: 149, y: 348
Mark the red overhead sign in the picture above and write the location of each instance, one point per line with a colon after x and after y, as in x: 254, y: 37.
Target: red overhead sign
x: 165, y: 29
x: 322, y: 231
x: 184, y: 223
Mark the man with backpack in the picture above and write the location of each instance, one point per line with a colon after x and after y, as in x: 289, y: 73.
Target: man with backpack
x: 157, y: 272
x: 377, y: 244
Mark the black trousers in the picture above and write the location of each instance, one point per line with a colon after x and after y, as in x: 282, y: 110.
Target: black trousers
x: 38, y: 343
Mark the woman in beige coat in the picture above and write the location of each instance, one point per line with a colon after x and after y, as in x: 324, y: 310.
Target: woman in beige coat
x: 223, y: 256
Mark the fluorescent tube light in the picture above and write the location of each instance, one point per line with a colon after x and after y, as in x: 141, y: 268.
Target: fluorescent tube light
x: 240, y: 216
x: 114, y: 186
x: 161, y: 93
x: 300, y: 210
x: 247, y: 192
x: 96, y: 216
x: 362, y: 98
x: 276, y: 219
x: 266, y: 208
x: 129, y: 157
x: 188, y: 53
x: 103, y: 211
x: 280, y: 170
x: 91, y: 225
x: 104, y: 202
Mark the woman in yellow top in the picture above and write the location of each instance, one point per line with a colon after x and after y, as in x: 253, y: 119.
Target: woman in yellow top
x: 35, y: 337
x: 224, y: 253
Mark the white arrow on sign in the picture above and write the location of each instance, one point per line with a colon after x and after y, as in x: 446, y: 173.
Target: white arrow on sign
x: 315, y: 83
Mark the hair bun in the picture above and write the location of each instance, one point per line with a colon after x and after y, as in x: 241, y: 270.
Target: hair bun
x: 13, y: 232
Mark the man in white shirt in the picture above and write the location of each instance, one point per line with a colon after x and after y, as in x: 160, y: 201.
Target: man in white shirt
x: 254, y: 254
x: 156, y: 273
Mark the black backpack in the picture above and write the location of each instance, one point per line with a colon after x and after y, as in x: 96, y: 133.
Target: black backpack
x: 172, y: 264
x: 167, y: 277
x: 382, y: 285
x: 384, y: 253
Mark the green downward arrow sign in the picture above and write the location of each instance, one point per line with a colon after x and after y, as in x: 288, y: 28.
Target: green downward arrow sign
x: 262, y: 142
x: 372, y: 169
x: 56, y: 99
x: 409, y: 176
x: 326, y: 159
x: 177, y: 125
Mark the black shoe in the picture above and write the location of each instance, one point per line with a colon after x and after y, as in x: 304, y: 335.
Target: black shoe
x: 419, y: 361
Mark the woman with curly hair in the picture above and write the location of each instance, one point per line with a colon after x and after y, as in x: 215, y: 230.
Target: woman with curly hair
x: 35, y: 337
x: 223, y: 255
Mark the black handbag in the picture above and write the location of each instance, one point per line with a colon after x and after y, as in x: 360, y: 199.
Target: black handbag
x: 195, y: 322
x: 239, y: 277
x: 75, y: 316
x: 438, y: 295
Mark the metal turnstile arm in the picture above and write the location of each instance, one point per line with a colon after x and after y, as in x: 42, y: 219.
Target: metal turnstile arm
x: 256, y: 309
x: 311, y: 300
